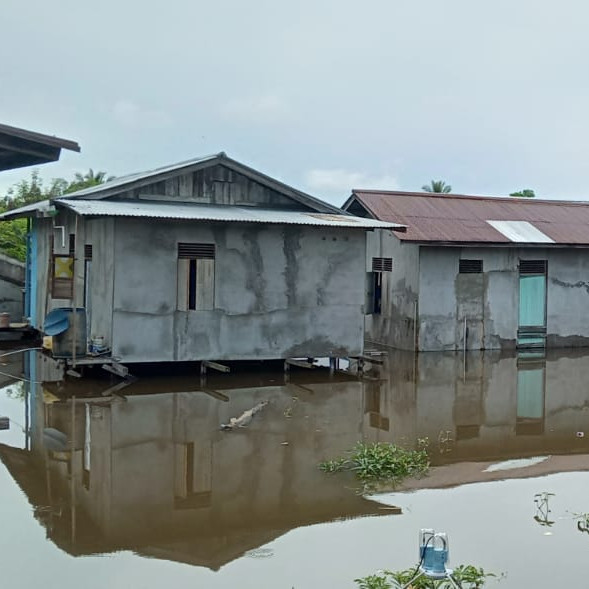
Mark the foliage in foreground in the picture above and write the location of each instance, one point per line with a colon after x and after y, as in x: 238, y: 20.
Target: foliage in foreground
x: 381, y: 462
x: 467, y: 576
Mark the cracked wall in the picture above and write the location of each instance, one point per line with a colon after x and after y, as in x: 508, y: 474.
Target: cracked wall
x: 280, y: 291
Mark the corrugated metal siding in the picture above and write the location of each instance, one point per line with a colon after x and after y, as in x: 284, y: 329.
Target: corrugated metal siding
x: 222, y: 213
x: 463, y: 219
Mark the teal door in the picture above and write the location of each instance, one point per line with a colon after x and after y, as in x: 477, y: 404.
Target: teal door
x: 531, y: 332
x: 531, y: 386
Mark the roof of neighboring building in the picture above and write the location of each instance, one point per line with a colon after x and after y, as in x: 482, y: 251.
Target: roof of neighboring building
x: 462, y: 219
x: 223, y: 213
x: 19, y: 148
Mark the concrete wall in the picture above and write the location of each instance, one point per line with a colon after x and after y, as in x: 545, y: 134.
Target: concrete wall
x: 280, y: 291
x: 489, y: 301
x: 395, y: 325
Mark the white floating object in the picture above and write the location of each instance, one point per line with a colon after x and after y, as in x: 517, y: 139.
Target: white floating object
x: 516, y: 463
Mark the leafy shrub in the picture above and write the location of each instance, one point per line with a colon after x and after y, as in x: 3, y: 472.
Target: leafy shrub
x: 381, y: 462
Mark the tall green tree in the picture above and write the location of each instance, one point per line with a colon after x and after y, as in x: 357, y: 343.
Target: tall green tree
x: 32, y: 190
x: 438, y: 186
x: 525, y: 193
x: 87, y: 180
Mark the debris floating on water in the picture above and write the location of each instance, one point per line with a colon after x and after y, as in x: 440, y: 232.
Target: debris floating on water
x: 244, y: 419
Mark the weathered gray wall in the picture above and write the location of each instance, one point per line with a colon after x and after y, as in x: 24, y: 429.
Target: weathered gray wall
x: 12, y: 280
x: 395, y: 325
x: 280, y: 291
x: 489, y: 301
x: 212, y: 185
x: 100, y: 235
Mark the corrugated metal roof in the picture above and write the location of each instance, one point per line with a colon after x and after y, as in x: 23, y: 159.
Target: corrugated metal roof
x: 136, y: 177
x: 27, y: 211
x: 223, y: 213
x: 120, y: 185
x: 19, y: 147
x: 40, y: 138
x: 453, y: 218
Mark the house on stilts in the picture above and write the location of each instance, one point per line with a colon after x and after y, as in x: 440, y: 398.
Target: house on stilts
x: 204, y: 260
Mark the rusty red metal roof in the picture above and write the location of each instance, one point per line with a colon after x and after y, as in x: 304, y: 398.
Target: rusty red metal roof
x: 457, y: 218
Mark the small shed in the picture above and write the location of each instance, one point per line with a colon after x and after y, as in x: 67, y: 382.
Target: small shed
x: 476, y: 272
x: 206, y: 259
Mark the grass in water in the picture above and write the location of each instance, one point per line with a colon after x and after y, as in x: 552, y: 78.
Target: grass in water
x: 381, y: 463
x: 467, y: 576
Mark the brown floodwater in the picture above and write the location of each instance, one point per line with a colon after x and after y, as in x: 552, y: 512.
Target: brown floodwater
x: 139, y: 486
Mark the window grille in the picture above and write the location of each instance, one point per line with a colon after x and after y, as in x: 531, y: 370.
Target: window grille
x: 382, y: 264
x: 470, y: 266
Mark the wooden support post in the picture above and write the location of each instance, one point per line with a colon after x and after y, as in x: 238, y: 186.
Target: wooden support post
x: 300, y: 363
x: 214, y: 366
x: 117, y: 369
x: 73, y: 472
x: 333, y: 365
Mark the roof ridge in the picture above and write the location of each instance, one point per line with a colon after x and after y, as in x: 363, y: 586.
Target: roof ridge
x: 510, y: 199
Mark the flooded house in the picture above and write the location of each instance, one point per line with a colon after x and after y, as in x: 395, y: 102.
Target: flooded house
x: 476, y: 272
x: 206, y: 259
x: 20, y: 148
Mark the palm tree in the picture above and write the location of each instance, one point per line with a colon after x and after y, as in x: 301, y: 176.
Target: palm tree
x: 437, y: 186
x: 90, y: 178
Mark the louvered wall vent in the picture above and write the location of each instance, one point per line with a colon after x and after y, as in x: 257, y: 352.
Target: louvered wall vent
x: 470, y: 266
x: 196, y: 250
x: 532, y: 266
x: 382, y: 264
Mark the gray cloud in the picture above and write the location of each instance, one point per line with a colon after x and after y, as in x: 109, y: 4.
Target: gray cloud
x: 489, y: 97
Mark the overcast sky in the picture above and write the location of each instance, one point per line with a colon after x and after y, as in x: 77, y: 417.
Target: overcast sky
x: 326, y: 96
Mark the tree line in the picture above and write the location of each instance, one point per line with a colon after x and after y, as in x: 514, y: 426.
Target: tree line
x: 32, y: 190
x: 440, y: 187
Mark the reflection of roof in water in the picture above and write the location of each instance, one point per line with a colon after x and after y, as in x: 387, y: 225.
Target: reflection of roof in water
x: 461, y: 473
x: 210, y: 543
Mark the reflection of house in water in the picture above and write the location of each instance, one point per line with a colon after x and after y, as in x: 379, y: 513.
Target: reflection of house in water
x: 152, y: 472
x: 482, y: 406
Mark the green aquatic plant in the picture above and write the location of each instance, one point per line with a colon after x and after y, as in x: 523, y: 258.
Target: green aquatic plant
x: 381, y: 462
x: 467, y: 576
